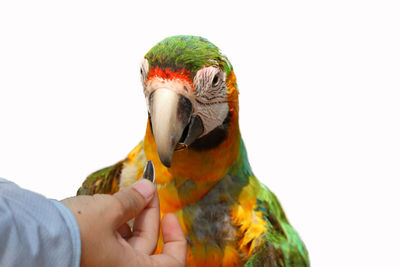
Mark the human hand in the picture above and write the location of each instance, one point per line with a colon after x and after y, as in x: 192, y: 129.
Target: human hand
x: 106, y: 238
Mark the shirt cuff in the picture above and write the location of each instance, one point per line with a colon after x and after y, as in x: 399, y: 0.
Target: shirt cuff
x: 73, y: 229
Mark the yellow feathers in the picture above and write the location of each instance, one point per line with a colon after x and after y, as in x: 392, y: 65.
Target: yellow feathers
x: 250, y: 222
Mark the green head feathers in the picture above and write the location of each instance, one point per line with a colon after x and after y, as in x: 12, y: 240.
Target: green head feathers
x: 187, y: 52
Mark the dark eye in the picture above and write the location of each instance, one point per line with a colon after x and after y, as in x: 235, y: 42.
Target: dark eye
x: 215, y: 80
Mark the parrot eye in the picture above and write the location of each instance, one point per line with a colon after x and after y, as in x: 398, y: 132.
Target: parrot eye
x: 144, y: 71
x: 215, y: 80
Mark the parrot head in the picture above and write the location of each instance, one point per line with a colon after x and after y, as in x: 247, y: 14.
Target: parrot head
x: 191, y: 95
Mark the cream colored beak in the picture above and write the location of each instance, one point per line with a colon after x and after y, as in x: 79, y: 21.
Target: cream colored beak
x: 170, y: 114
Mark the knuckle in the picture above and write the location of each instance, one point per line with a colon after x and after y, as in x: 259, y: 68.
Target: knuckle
x: 119, y: 207
x: 101, y: 197
x: 128, y: 200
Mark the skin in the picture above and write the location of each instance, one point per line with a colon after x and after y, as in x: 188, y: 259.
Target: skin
x: 106, y: 238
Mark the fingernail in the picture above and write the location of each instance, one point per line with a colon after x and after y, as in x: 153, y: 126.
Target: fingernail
x: 149, y: 172
x: 145, y: 188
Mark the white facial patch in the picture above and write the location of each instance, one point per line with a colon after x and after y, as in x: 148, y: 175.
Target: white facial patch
x: 210, y: 93
x: 212, y: 115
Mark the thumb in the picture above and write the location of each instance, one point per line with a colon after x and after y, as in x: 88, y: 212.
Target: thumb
x: 130, y: 201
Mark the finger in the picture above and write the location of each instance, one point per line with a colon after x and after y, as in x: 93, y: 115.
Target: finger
x: 130, y: 201
x: 125, y: 231
x: 146, y: 228
x: 165, y: 261
x: 175, y: 244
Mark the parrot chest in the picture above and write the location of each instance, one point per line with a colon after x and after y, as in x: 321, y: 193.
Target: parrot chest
x: 211, y: 231
x: 210, y: 224
x: 212, y: 237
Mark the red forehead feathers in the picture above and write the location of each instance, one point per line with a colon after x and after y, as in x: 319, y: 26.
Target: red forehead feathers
x: 168, y: 74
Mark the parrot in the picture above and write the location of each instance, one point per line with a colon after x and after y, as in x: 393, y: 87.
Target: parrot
x: 202, y: 170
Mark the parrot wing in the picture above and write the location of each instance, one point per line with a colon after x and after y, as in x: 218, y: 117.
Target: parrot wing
x: 281, y: 245
x: 123, y: 173
x: 104, y: 181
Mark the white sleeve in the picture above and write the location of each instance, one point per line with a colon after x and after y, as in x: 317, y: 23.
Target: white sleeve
x: 36, y: 231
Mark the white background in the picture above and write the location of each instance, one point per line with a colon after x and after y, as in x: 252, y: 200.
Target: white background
x: 319, y: 95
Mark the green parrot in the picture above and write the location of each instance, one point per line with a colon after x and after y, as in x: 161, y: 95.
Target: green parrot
x: 201, y: 165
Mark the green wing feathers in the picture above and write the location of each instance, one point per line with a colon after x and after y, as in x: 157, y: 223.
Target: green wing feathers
x: 282, y: 245
x: 104, y: 181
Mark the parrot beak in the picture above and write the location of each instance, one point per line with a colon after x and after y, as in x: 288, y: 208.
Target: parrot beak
x: 173, y: 124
